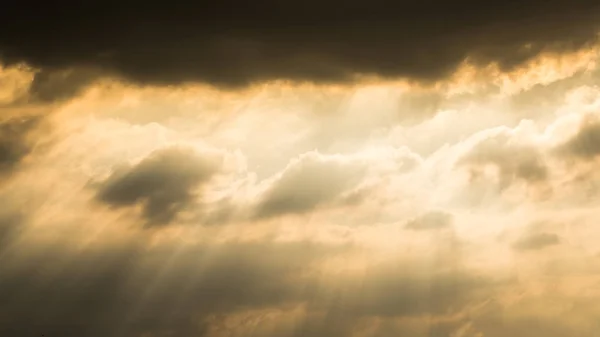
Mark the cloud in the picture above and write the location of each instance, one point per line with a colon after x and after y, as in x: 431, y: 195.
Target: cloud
x: 514, y: 161
x: 164, y: 183
x: 55, y: 85
x: 537, y: 241
x: 411, y: 293
x: 348, y: 259
x: 430, y: 221
x: 309, y: 182
x: 234, y: 43
x: 537, y: 315
x: 11, y: 224
x: 14, y: 84
x: 15, y: 141
x: 133, y: 289
x: 585, y: 144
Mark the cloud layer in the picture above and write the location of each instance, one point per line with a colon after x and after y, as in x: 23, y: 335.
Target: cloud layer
x: 464, y: 209
x: 235, y: 43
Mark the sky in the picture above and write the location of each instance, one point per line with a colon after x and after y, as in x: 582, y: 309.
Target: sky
x: 300, y: 169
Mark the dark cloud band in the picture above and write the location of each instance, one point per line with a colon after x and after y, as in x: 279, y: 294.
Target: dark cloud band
x: 233, y: 43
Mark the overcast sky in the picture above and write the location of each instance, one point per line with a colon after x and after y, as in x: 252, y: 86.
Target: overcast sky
x: 300, y: 169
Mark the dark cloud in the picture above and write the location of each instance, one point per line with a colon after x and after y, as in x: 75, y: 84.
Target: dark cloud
x: 128, y: 290
x: 514, y: 161
x: 164, y: 183
x: 15, y: 141
x: 430, y: 221
x: 119, y: 290
x: 309, y: 183
x: 54, y: 85
x: 537, y: 241
x: 232, y: 43
x: 585, y: 144
x: 11, y: 224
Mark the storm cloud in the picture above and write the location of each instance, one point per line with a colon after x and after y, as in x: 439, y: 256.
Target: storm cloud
x: 235, y: 43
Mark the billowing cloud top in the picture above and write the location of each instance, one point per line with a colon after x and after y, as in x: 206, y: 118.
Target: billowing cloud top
x: 382, y: 169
